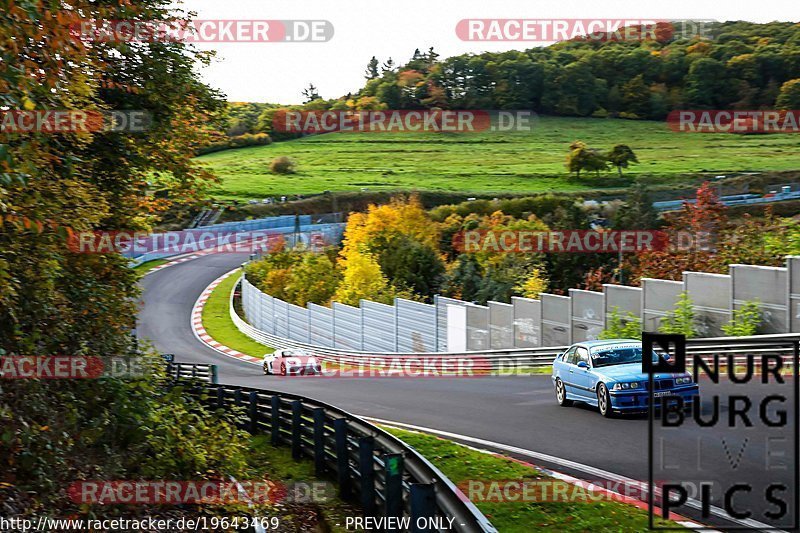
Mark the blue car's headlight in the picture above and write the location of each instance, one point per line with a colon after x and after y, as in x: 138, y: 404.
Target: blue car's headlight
x: 626, y: 386
x: 683, y: 380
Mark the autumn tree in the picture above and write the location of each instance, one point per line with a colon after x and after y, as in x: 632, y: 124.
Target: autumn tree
x: 621, y: 156
x: 362, y: 279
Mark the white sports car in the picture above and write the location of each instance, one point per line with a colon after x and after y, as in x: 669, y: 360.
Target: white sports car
x: 290, y: 361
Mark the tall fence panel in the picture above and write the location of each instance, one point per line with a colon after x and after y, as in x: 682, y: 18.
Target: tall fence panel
x: 769, y: 287
x: 416, y: 326
x: 556, y: 323
x: 478, y: 327
x: 793, y: 269
x: 527, y: 322
x: 280, y: 316
x: 501, y: 325
x: 586, y: 315
x: 623, y: 300
x: 711, y: 299
x: 659, y: 297
x: 347, y: 327
x: 298, y: 323
x: 320, y: 325
x: 380, y: 330
x: 441, y: 303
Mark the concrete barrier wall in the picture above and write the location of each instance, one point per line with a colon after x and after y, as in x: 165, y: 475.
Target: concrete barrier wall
x: 659, y: 297
x: 711, y: 299
x: 767, y: 285
x: 527, y: 322
x: 586, y: 315
x: 478, y: 327
x: 556, y: 322
x: 625, y: 299
x: 501, y: 325
x: 552, y: 320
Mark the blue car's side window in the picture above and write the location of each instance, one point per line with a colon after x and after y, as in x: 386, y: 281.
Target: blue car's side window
x: 569, y: 357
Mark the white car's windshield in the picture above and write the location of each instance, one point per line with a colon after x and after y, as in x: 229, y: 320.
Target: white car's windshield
x: 619, y: 356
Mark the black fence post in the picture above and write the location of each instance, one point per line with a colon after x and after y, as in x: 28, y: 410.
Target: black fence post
x: 423, y: 505
x: 194, y: 371
x: 220, y: 397
x: 342, y: 458
x: 253, y: 411
x: 297, y: 429
x: 366, y: 467
x: 237, y: 401
x: 214, y: 378
x: 393, y: 484
x: 275, y: 427
x: 319, y: 441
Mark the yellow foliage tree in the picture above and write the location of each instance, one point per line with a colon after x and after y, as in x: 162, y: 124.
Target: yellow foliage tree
x: 362, y: 279
x: 535, y: 284
x: 404, y: 216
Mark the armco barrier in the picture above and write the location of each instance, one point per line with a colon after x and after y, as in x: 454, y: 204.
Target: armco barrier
x: 371, y: 466
x: 329, y: 225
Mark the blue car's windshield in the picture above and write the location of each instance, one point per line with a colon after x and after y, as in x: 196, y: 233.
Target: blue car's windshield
x: 618, y: 356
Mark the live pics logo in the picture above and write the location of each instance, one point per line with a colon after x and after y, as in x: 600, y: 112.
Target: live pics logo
x: 731, y: 453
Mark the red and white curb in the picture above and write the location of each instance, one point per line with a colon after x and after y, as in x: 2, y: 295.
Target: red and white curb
x: 171, y: 263
x: 196, y: 255
x: 200, y: 331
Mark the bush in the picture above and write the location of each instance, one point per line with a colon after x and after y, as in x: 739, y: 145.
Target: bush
x: 745, y: 321
x: 282, y: 165
x: 681, y: 320
x: 627, y: 327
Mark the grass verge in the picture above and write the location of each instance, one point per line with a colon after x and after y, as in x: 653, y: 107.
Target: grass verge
x: 326, y: 514
x: 218, y: 323
x: 462, y: 464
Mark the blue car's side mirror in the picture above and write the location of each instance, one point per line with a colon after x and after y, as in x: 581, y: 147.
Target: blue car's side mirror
x: 583, y: 364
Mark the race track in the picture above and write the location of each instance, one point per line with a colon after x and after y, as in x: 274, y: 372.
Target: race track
x: 515, y: 411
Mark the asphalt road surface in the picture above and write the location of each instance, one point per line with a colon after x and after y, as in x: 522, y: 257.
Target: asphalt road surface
x: 519, y: 416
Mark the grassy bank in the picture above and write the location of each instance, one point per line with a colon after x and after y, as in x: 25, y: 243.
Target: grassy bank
x: 218, y: 323
x: 488, y: 162
x: 462, y: 464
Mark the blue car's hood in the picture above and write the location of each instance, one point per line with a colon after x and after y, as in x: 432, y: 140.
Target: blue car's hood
x: 628, y: 372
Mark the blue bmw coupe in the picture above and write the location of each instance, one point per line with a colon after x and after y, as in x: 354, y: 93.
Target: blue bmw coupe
x: 608, y: 374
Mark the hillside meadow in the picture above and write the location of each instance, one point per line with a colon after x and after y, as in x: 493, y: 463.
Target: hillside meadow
x: 532, y: 161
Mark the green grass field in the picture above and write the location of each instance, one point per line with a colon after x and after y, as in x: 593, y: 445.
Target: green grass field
x: 489, y: 162
x: 462, y: 465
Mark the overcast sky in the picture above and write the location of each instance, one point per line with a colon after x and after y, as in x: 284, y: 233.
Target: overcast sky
x: 277, y: 72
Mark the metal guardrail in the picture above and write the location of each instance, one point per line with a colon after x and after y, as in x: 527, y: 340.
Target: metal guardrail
x: 204, y: 372
x: 372, y: 467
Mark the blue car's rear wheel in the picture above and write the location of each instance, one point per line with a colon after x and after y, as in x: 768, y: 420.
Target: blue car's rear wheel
x: 604, y: 401
x: 561, y: 394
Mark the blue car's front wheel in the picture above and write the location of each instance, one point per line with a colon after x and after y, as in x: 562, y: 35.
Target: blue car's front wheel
x: 604, y: 400
x: 561, y: 394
